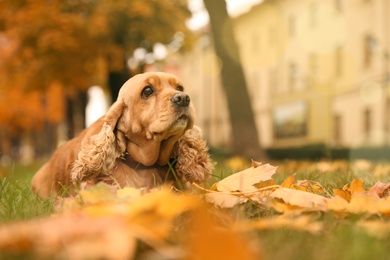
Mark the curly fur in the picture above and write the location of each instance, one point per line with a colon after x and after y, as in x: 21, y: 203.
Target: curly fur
x: 193, y: 161
x: 97, y: 155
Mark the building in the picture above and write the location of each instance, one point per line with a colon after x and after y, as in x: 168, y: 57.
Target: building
x: 317, y: 72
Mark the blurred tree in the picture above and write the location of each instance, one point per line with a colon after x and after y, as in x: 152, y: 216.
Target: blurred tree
x: 244, y: 131
x: 73, y: 45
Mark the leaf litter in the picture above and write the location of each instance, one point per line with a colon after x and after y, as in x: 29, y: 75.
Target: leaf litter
x: 111, y: 223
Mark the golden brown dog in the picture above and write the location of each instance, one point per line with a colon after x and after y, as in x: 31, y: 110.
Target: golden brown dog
x: 148, y: 128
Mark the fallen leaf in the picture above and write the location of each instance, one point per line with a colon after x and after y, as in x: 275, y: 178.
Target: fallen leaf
x: 300, y: 223
x: 357, y: 186
x: 245, y: 181
x: 212, y: 241
x: 300, y: 198
x: 380, y: 189
x: 359, y: 204
x: 224, y: 200
x: 310, y: 186
x: 343, y: 194
x: 289, y: 181
x: 285, y: 208
x: 264, y: 184
x: 98, y: 193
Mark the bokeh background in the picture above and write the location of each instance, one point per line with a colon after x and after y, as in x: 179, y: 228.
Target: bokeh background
x: 316, y: 71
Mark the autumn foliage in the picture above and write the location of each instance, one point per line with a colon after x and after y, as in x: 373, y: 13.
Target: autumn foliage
x: 51, y: 50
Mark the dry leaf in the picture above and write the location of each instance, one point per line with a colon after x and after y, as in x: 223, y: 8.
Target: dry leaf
x: 300, y: 223
x: 359, y: 204
x: 380, y: 189
x: 343, y: 194
x: 106, y: 227
x: 285, y: 208
x: 211, y: 241
x: 289, y: 181
x: 357, y: 186
x: 300, y: 198
x: 224, y: 200
x: 246, y: 180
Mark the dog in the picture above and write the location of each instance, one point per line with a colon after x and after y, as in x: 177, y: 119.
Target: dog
x: 146, y: 138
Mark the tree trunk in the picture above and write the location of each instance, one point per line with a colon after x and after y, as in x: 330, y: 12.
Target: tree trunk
x: 244, y: 132
x: 115, y: 82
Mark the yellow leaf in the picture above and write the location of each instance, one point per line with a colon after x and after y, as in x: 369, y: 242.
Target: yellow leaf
x: 359, y: 204
x: 357, y: 186
x: 245, y: 181
x: 343, y: 194
x: 210, y: 241
x: 289, y: 181
x: 285, y: 208
x: 337, y: 204
x: 224, y: 200
x: 300, y: 223
x: 310, y: 186
x: 128, y: 193
x: 300, y: 198
x: 99, y: 193
x: 264, y: 184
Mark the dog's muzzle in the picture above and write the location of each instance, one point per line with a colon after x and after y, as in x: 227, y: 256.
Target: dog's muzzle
x: 181, y: 99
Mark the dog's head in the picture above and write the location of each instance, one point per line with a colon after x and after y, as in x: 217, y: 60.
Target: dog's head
x: 150, y: 115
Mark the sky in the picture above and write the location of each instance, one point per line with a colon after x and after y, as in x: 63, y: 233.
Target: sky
x: 200, y: 15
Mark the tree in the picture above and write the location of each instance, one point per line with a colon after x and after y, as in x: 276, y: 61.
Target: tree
x: 244, y: 131
x: 74, y: 45
x: 79, y: 43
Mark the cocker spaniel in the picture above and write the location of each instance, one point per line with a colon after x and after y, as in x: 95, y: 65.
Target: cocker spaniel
x: 147, y: 134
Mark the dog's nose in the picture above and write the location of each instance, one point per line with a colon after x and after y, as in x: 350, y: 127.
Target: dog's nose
x: 181, y: 99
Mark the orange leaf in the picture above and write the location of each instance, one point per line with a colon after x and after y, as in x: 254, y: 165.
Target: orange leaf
x: 210, y: 241
x: 289, y: 181
x: 357, y: 186
x: 343, y: 194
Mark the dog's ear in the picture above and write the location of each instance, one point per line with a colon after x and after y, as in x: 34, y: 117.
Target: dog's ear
x: 114, y: 114
x: 193, y: 160
x: 98, y: 153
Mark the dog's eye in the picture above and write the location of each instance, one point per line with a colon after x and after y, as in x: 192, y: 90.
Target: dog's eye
x: 180, y: 88
x: 147, y: 92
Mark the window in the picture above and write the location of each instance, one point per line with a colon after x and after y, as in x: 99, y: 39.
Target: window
x: 370, y: 46
x: 338, y: 66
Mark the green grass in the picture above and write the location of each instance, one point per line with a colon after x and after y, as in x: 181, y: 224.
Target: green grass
x: 340, y: 239
x: 17, y: 201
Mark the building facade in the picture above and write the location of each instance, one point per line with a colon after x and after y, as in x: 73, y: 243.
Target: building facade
x: 317, y: 73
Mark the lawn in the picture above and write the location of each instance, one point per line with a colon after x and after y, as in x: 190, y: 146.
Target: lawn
x: 341, y: 236
x: 17, y: 202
